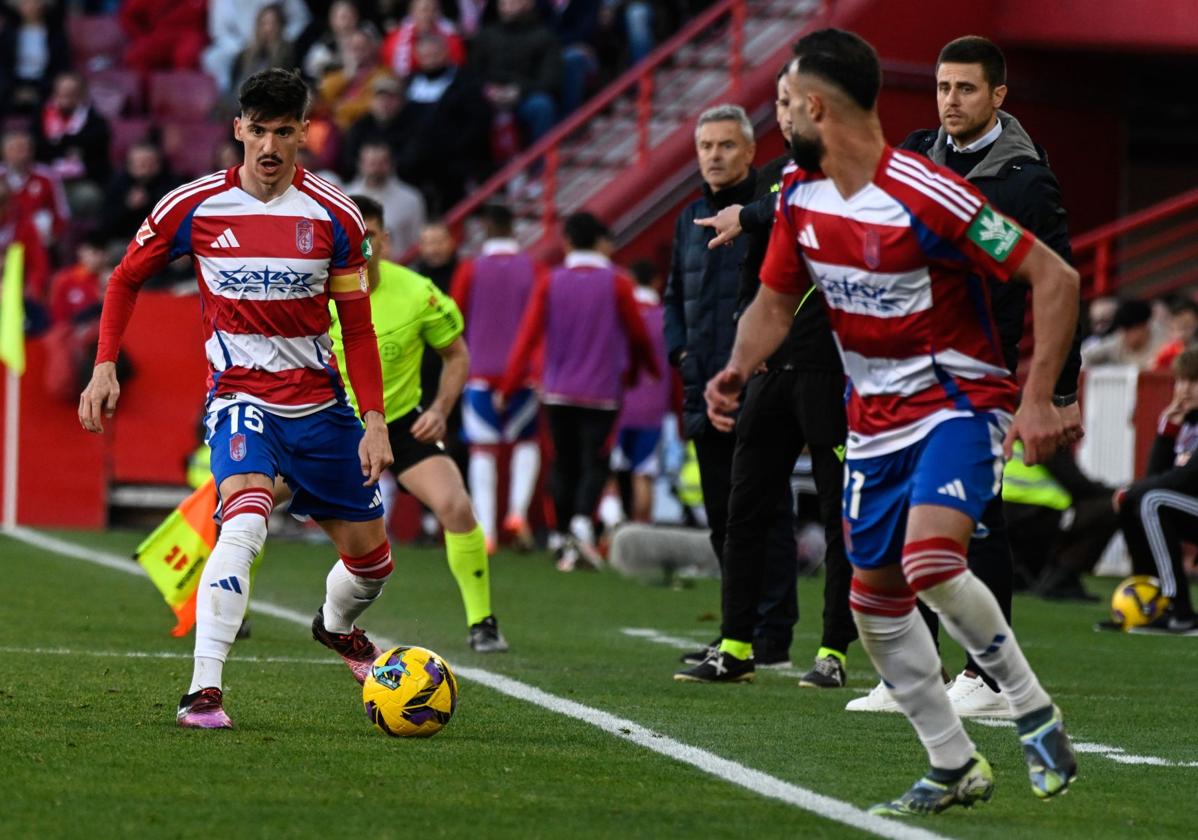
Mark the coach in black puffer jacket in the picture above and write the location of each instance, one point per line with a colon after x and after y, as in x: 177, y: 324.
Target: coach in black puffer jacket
x: 700, y: 299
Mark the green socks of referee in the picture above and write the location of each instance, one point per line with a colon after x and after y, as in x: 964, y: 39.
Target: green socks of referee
x: 471, y: 569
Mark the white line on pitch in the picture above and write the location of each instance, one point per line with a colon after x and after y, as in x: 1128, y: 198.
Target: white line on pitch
x: 164, y: 654
x: 730, y: 771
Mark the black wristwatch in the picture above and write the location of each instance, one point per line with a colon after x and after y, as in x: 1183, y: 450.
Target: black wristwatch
x: 1064, y: 400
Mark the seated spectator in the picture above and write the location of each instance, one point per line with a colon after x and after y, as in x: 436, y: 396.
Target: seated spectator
x: 1129, y: 342
x: 76, y: 294
x: 164, y: 36
x: 576, y: 24
x: 237, y: 28
x: 36, y: 190
x: 16, y: 227
x: 403, y: 207
x: 33, y: 51
x: 347, y: 91
x: 268, y: 47
x: 446, y: 119
x: 1183, y: 323
x: 423, y: 18
x: 1159, y: 511
x: 1101, y: 316
x: 331, y: 50
x: 133, y: 192
x: 381, y: 124
x: 518, y: 61
x: 72, y: 139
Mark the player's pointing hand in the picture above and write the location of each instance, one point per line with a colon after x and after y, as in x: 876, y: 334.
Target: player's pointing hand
x: 726, y: 225
x: 374, y: 451
x: 99, y: 397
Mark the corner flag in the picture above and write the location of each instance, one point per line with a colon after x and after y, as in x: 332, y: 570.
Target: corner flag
x: 12, y: 310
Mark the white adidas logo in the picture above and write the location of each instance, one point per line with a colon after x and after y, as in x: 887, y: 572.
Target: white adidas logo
x: 807, y: 237
x: 226, y: 240
x: 954, y: 488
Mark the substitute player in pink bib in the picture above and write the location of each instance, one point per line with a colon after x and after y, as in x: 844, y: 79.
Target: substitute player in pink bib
x: 271, y: 243
x: 901, y: 250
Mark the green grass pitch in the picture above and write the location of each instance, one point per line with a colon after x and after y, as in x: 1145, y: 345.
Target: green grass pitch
x: 88, y: 744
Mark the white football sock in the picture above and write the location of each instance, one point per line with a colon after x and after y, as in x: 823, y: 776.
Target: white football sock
x: 525, y: 467
x: 224, y: 590
x: 583, y: 529
x: 902, y: 651
x: 483, y: 478
x: 347, y: 596
x: 970, y: 613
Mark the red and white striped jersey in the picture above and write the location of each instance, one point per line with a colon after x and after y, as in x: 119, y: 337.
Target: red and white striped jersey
x: 902, y: 265
x: 266, y: 271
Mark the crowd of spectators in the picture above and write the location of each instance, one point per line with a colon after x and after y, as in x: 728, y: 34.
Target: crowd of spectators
x: 107, y: 105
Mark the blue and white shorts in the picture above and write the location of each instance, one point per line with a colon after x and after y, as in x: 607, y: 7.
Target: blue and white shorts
x: 958, y: 465
x: 636, y: 451
x: 317, y: 455
x: 482, y: 424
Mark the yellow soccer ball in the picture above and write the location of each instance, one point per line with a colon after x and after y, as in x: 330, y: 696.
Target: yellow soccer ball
x: 1137, y: 600
x: 410, y: 693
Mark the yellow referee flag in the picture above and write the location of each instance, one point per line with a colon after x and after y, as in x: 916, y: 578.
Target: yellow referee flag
x: 174, y: 554
x: 12, y: 310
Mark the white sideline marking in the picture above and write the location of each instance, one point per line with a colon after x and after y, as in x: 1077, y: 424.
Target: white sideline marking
x: 730, y: 771
x: 1113, y: 753
x: 161, y: 654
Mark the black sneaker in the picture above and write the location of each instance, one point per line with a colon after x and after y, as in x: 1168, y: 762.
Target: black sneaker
x: 828, y: 672
x: 697, y: 656
x: 486, y: 638
x: 354, y: 647
x: 718, y: 667
x: 767, y: 655
x: 1170, y: 624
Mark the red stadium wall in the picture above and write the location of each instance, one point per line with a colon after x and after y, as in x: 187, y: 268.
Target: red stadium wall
x: 1101, y: 24
x: 62, y: 470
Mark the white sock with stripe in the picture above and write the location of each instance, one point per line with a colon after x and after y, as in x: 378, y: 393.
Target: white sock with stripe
x: 483, y: 479
x: 224, y: 590
x: 901, y: 648
x: 935, y: 568
x: 525, y: 467
x: 352, y: 585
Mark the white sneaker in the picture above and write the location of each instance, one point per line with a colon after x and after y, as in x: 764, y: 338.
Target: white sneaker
x: 878, y: 700
x: 972, y: 698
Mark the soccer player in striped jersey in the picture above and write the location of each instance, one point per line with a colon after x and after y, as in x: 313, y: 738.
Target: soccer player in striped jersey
x: 901, y: 250
x: 271, y: 244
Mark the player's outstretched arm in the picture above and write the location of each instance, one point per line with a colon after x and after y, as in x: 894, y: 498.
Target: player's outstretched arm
x: 1054, y: 312
x: 760, y: 331
x: 99, y: 398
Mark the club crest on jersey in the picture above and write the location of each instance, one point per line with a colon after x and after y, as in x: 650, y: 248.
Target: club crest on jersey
x: 237, y: 447
x: 873, y: 250
x: 303, y: 236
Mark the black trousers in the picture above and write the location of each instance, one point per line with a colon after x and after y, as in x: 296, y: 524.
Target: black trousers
x: 1155, y: 523
x: 784, y: 410
x: 989, y: 558
x: 580, y: 458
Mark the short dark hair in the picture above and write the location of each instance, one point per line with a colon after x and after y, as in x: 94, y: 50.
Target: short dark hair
x: 1183, y: 305
x: 974, y: 49
x: 643, y: 271
x: 584, y: 230
x: 843, y: 59
x: 369, y: 208
x: 1131, y: 313
x: 274, y: 94
x: 497, y: 219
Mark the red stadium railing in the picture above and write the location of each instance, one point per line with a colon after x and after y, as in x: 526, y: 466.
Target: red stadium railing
x: 1148, y: 253
x: 634, y: 90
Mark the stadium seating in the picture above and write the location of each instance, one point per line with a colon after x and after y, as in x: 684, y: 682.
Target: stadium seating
x: 182, y: 95
x: 96, y: 40
x: 125, y: 132
x: 115, y: 92
x: 189, y: 146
